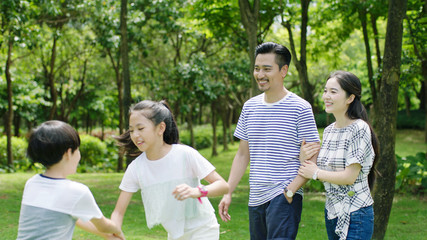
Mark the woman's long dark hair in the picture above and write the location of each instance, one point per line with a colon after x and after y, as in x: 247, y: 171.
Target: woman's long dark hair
x: 350, y: 83
x: 157, y: 112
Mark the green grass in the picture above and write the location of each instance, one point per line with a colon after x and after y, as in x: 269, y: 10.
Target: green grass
x: 407, y: 219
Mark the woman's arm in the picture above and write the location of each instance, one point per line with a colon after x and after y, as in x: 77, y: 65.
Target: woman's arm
x: 121, y: 206
x: 344, y: 177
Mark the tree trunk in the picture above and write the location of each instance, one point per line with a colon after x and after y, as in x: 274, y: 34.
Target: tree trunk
x: 301, y: 64
x: 10, y: 102
x: 376, y: 37
x: 224, y: 118
x: 363, y: 21
x: 386, y: 109
x: 307, y: 88
x: 124, y: 53
x: 51, y: 79
x: 249, y: 16
x: 213, y: 122
x: 424, y: 72
x: 16, y: 124
x: 190, y: 126
x: 119, y: 84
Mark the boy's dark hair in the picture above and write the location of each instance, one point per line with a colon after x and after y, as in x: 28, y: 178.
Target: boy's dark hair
x: 49, y: 142
x: 156, y: 112
x: 283, y: 55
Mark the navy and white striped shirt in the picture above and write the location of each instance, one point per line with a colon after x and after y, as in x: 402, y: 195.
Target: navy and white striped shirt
x: 274, y: 132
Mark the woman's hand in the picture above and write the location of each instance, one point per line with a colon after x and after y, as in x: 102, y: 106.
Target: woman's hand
x: 183, y: 191
x: 307, y: 169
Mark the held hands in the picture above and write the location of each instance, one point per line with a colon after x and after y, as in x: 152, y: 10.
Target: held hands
x: 114, y: 237
x: 308, y: 150
x: 307, y: 169
x: 223, y: 207
x: 183, y: 191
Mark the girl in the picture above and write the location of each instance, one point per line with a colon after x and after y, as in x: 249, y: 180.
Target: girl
x: 168, y: 175
x: 346, y: 160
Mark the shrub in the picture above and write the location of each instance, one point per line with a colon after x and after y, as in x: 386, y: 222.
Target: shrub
x: 416, y: 120
x: 93, y: 152
x: 19, y: 153
x: 411, y: 175
x: 202, y: 136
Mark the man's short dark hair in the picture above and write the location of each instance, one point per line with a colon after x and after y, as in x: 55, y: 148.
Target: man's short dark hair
x: 283, y: 55
x: 49, y: 142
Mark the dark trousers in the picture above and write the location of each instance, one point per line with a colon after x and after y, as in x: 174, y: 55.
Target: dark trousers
x: 276, y: 219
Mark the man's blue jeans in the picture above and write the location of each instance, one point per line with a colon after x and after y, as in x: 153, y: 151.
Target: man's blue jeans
x: 276, y: 219
x: 361, y: 225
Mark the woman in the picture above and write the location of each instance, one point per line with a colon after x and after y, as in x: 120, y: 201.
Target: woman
x: 346, y: 160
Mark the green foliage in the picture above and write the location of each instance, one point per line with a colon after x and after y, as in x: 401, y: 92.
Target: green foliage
x: 19, y: 152
x: 93, y: 152
x: 202, y: 137
x: 411, y: 175
x: 415, y: 120
x: 314, y: 186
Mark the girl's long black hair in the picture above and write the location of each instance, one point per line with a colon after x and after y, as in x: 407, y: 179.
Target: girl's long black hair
x: 157, y: 112
x: 351, y: 84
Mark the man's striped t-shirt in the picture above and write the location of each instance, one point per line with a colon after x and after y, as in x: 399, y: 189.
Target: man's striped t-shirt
x: 274, y: 132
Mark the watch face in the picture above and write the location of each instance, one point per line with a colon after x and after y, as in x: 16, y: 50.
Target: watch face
x: 289, y: 193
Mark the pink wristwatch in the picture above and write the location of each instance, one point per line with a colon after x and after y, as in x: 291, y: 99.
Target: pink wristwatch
x: 203, y: 191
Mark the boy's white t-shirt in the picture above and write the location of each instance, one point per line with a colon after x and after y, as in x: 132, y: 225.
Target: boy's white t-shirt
x: 50, y: 207
x: 157, y: 179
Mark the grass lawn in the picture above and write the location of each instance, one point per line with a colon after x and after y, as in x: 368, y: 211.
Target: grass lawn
x: 407, y: 219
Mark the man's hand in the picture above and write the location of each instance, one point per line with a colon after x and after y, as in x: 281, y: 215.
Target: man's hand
x: 288, y: 198
x: 308, y: 150
x: 223, y: 207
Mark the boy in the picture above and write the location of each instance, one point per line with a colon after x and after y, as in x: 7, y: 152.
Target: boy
x: 51, y: 204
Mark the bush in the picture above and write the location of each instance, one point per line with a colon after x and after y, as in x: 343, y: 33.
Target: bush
x: 19, y: 152
x: 416, y: 120
x: 93, y: 152
x: 203, y: 136
x: 411, y: 175
x: 323, y: 119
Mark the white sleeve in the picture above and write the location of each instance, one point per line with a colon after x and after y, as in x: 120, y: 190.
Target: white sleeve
x: 130, y: 179
x: 200, y: 165
x: 86, y: 207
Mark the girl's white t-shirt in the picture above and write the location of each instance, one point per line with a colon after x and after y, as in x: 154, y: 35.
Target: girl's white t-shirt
x: 157, y: 179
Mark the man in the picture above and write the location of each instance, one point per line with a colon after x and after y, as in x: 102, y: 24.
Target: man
x: 271, y: 129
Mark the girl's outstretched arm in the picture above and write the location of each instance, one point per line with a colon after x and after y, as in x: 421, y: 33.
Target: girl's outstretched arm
x: 121, y: 206
x: 102, y: 227
x: 217, y: 187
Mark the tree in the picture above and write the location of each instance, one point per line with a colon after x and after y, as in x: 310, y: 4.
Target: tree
x: 249, y: 14
x: 416, y: 16
x: 13, y: 18
x: 386, y: 113
x: 124, y: 53
x: 104, y: 26
x: 301, y: 63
